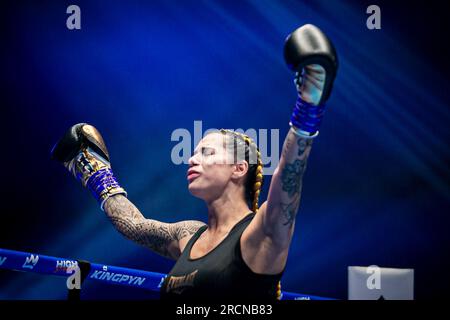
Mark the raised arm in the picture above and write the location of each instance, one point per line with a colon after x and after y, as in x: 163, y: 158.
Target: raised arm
x: 265, y: 243
x: 312, y: 55
x: 281, y: 207
x: 166, y: 239
x: 83, y: 152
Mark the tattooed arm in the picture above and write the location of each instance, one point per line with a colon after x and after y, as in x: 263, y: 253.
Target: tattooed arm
x: 166, y: 239
x: 265, y: 242
x: 276, y: 217
x: 285, y: 189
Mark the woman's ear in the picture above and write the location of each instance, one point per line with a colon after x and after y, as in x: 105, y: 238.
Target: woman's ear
x: 240, y: 169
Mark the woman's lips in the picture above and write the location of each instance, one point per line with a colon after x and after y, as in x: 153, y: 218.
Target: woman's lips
x: 191, y: 176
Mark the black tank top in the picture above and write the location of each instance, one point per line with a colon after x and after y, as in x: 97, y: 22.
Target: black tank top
x: 218, y: 275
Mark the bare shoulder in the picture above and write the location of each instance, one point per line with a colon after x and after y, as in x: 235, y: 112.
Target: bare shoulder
x: 166, y: 239
x: 259, y: 251
x: 186, y: 229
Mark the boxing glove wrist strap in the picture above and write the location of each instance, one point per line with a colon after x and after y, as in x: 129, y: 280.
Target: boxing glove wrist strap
x: 306, y: 118
x: 103, y: 185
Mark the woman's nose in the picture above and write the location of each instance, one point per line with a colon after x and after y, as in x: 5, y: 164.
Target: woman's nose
x: 194, y: 160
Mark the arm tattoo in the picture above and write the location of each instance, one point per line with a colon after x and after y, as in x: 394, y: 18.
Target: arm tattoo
x: 292, y: 175
x: 153, y: 234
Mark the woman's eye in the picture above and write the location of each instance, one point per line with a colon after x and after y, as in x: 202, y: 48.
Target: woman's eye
x: 207, y: 152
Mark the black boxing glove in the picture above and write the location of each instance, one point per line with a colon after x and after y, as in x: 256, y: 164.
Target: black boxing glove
x: 83, y: 152
x: 310, y: 53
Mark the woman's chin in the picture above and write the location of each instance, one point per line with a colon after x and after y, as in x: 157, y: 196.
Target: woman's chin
x: 195, y: 191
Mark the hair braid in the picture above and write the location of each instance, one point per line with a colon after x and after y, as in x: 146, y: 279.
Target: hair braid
x: 258, y: 182
x: 255, y: 176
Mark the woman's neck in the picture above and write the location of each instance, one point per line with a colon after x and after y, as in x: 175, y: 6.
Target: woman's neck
x: 224, y: 213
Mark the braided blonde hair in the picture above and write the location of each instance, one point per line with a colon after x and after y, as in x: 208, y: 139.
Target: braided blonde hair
x: 255, y: 178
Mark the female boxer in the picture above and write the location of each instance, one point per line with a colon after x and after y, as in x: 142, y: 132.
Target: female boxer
x: 241, y: 251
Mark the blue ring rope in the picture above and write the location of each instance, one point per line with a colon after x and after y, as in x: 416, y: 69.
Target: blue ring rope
x: 38, y: 263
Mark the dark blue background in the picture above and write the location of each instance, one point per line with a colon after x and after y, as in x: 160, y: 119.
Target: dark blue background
x: 377, y: 186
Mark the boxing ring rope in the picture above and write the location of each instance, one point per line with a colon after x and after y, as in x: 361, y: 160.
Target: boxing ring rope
x: 152, y: 281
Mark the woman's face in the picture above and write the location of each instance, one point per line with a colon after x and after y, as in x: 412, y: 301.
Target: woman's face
x: 210, y: 168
